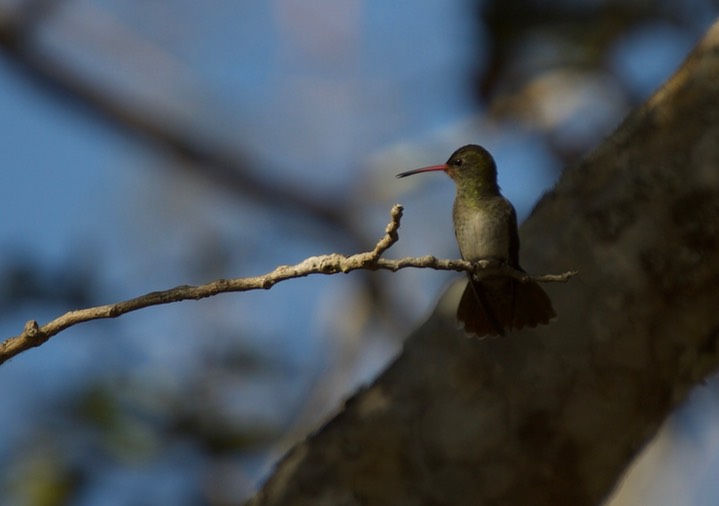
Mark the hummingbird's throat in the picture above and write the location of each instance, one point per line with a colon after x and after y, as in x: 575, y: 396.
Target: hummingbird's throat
x: 473, y: 190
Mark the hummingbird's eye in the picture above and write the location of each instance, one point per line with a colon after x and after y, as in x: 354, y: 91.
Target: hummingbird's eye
x: 457, y: 162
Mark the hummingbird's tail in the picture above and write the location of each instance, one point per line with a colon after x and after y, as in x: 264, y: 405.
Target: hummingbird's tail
x: 493, y: 307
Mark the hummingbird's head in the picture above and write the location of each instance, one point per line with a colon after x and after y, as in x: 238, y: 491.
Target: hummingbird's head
x: 472, y: 163
x: 469, y: 165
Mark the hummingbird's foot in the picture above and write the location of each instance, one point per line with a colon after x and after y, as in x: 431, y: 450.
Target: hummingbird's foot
x: 487, y: 267
x: 489, y: 263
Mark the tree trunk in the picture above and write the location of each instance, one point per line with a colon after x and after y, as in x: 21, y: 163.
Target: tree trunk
x: 554, y: 416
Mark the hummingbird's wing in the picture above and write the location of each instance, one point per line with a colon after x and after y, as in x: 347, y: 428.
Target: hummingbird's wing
x: 513, y: 257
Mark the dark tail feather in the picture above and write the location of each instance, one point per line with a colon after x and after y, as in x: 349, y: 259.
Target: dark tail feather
x: 532, y: 306
x: 477, y: 310
x: 492, y: 307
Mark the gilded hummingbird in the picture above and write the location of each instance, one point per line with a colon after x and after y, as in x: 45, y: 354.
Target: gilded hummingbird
x: 485, y: 224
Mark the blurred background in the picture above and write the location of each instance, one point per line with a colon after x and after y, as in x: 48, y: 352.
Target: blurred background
x: 148, y: 144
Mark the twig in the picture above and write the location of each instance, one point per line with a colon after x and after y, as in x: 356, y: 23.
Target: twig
x: 34, y: 335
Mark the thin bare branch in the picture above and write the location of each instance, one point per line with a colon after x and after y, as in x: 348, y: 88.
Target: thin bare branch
x: 34, y: 335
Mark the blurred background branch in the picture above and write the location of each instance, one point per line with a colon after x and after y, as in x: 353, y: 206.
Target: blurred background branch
x: 224, y: 165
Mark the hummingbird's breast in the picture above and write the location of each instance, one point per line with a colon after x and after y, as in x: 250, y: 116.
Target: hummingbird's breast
x: 485, y: 228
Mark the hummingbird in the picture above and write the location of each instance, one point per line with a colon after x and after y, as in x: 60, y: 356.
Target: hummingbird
x: 485, y: 225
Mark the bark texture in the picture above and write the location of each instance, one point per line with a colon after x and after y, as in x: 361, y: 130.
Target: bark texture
x: 553, y: 416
